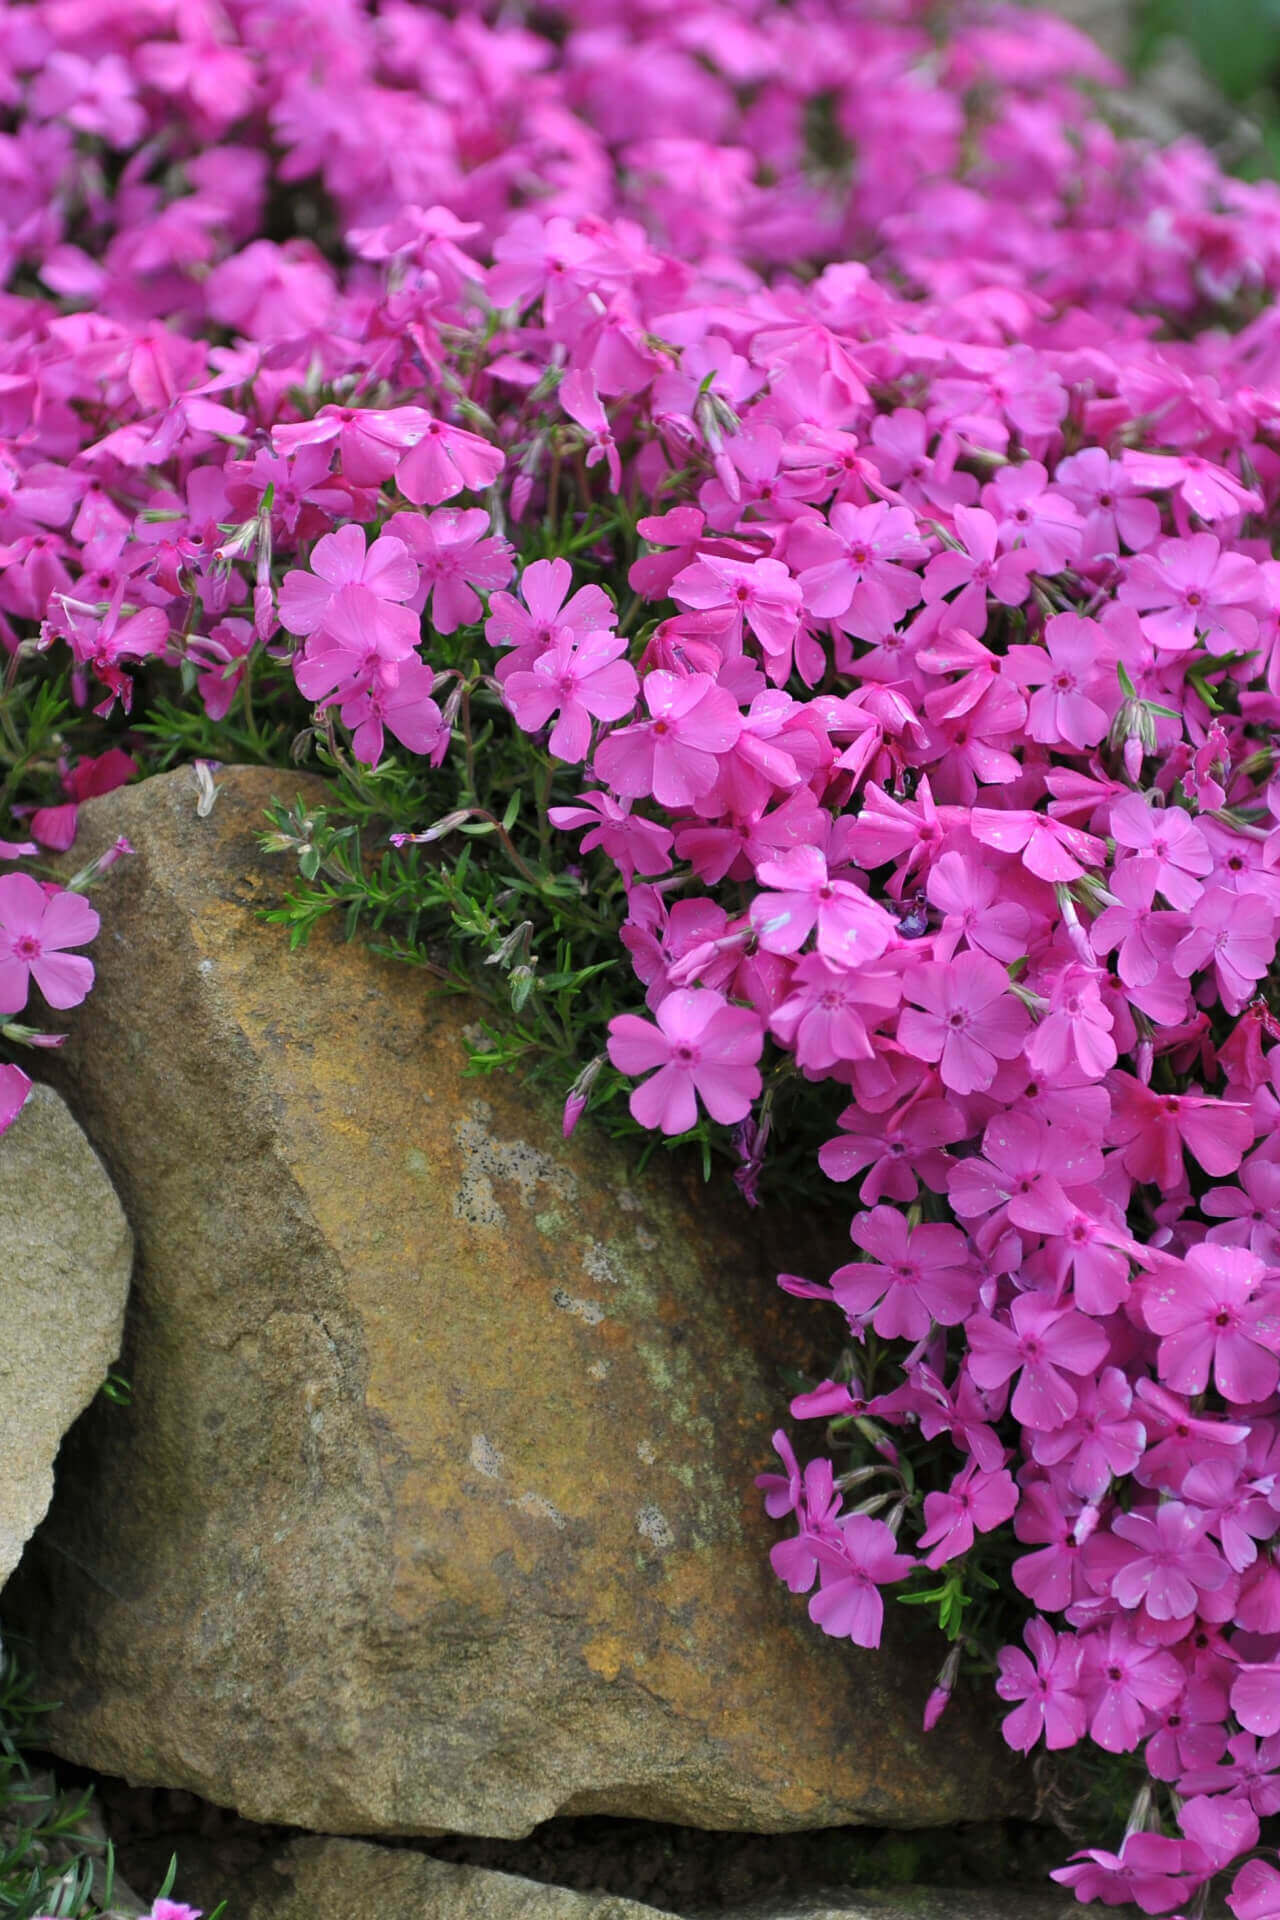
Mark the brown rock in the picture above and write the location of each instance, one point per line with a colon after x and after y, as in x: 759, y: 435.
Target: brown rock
x: 65, y: 1255
x: 434, y: 1509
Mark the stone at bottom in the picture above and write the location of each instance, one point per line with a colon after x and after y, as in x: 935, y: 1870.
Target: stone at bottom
x: 320, y: 1879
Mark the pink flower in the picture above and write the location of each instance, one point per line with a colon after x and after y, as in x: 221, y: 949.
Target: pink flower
x: 1169, y: 847
x: 14, y: 1088
x: 851, y: 929
x: 1216, y: 1315
x: 915, y: 1275
x: 825, y: 1016
x: 1170, y: 1563
x: 578, y: 677
x: 967, y: 1019
x: 865, y: 1558
x: 362, y: 639
x: 455, y: 557
x: 968, y: 897
x: 1125, y: 1683
x: 530, y: 626
x: 1062, y: 711
x: 1103, y: 1439
x: 1047, y: 1686
x: 673, y: 754
x: 858, y: 569
x: 1076, y: 1031
x: 1236, y: 933
x: 760, y: 593
x: 975, y: 1503
x: 443, y: 461
x: 1189, y: 587
x: 974, y: 568
x: 55, y: 827
x: 1255, y: 1892
x: 339, y: 560
x: 634, y: 844
x: 1042, y: 1345
x: 37, y: 925
x: 701, y: 1046
x: 1148, y: 1870
x: 403, y: 708
x: 1251, y: 1211
x: 1049, y: 849
x: 1154, y: 1127
x: 581, y: 402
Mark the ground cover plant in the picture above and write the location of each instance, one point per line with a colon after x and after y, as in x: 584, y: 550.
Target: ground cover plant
x: 788, y: 611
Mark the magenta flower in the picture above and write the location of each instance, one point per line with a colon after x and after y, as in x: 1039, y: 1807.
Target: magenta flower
x: 1217, y: 1315
x: 403, y: 708
x: 976, y: 1502
x: 847, y: 1604
x: 760, y: 594
x: 445, y: 459
x: 1169, y: 847
x: 1149, y: 1870
x: 579, y: 678
x: 673, y: 754
x: 1076, y: 1032
x: 530, y: 623
x: 968, y: 897
x: 973, y: 566
x: 1047, y: 1685
x: 915, y: 1275
x: 1042, y: 1345
x: 634, y: 844
x: 701, y: 1046
x: 1102, y: 1440
x: 37, y: 926
x: 963, y: 1016
x: 1255, y: 1892
x: 859, y: 569
x: 1250, y: 1212
x: 1189, y: 587
x: 362, y: 639
x: 1125, y: 1684
x: 1236, y: 934
x: 851, y: 929
x: 15, y: 1085
x: 1170, y: 1564
x: 387, y: 572
x: 456, y: 555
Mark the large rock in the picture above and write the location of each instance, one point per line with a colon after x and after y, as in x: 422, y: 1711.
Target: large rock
x: 65, y: 1255
x: 434, y: 1507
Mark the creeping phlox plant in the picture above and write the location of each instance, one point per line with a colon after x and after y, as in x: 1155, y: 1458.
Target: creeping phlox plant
x: 853, y: 518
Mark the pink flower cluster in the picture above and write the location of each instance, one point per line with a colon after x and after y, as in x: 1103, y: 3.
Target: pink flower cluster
x: 930, y: 729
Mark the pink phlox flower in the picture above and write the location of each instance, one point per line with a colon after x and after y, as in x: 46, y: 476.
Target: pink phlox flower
x: 914, y: 1276
x: 363, y: 639
x: 679, y: 536
x: 802, y: 898
x: 964, y: 1017
x: 1144, y: 934
x: 1255, y: 1892
x: 1178, y: 1439
x: 1207, y: 489
x: 1042, y: 1343
x: 1113, y: 509
x: 1255, y: 1697
x: 528, y: 624
x: 736, y: 846
x: 579, y: 677
x: 1222, y: 1826
x: 1125, y: 1684
x: 968, y: 896
x: 1250, y: 1212
x: 402, y: 707
x: 759, y: 594
x: 828, y: 1010
x: 37, y: 926
x: 1150, y: 1870
x: 1034, y: 516
x: 1048, y: 848
x: 1236, y: 934
x: 1076, y: 1031
x: 92, y: 775
x: 887, y: 829
x: 580, y: 400
x: 1217, y: 1316
x: 1168, y: 846
x: 1240, y: 1513
x: 1169, y: 1561
x: 443, y: 461
x: 974, y: 568
x: 369, y: 440
x: 1154, y: 1127
x: 1047, y: 1686
x: 456, y: 554
x: 1092, y: 1251
x: 673, y: 754
x: 15, y: 1085
x: 1191, y: 587
x: 1102, y: 1440
x: 893, y: 1151
x: 1023, y: 1173
x: 222, y: 655
x: 1053, y: 1577
x: 858, y: 569
x: 975, y: 1502
x: 848, y: 1604
x: 1069, y: 673
x: 965, y: 1414
x: 634, y: 844
x: 702, y: 1046
x: 387, y: 572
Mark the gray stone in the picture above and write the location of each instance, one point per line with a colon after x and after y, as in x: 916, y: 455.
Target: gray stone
x: 434, y: 1509
x: 65, y: 1255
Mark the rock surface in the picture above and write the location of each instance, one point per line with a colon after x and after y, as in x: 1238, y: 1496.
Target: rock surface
x: 316, y: 1879
x: 65, y: 1255
x: 434, y: 1508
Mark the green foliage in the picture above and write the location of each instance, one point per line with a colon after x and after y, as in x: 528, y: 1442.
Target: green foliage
x: 47, y: 1864
x: 1238, y: 44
